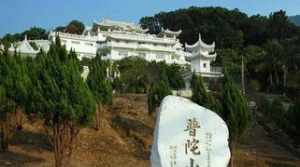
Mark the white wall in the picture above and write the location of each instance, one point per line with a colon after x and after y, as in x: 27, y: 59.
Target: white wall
x: 195, y: 65
x: 148, y: 55
x: 87, y: 47
x: 82, y: 48
x: 200, y: 65
x: 205, y: 66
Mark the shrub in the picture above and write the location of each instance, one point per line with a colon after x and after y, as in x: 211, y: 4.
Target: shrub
x: 254, y: 85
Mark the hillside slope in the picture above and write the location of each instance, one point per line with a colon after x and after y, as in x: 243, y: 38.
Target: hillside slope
x: 126, y: 140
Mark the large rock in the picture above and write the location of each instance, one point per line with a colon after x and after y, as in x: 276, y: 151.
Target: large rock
x: 188, y: 135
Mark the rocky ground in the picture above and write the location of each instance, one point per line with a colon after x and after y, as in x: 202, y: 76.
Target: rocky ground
x: 125, y: 140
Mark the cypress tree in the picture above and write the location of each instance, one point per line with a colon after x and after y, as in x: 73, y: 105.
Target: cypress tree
x: 156, y: 94
x: 6, y: 106
x: 14, y: 82
x: 20, y: 92
x: 200, y: 94
x: 100, y: 86
x: 62, y: 98
x: 234, y: 111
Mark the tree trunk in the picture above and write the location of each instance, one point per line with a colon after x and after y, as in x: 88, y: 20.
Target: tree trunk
x: 98, y: 116
x: 19, y: 118
x: 4, y: 133
x: 232, y: 148
x: 284, y: 69
x: 64, y: 135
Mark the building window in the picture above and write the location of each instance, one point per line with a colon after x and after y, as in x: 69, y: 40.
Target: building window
x: 89, y: 44
x: 123, y: 54
x: 160, y: 56
x: 204, y: 65
x: 75, y: 42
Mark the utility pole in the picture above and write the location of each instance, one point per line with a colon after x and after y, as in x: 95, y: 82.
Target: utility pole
x: 243, y: 75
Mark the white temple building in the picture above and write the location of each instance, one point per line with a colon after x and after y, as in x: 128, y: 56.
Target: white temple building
x: 202, y: 55
x: 124, y: 39
x: 23, y: 47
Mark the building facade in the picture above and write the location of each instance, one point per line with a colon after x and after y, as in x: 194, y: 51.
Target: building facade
x: 123, y: 40
x: 201, y: 57
x: 23, y: 48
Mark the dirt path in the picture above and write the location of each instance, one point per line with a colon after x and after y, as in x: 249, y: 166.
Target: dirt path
x: 259, y: 148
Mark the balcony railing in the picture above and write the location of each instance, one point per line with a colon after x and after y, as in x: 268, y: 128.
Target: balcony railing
x: 216, y: 69
x: 141, y: 37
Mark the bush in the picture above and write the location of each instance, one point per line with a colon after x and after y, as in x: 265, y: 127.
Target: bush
x: 137, y: 75
x: 266, y: 106
x: 156, y: 94
x: 254, y: 85
x: 293, y: 116
x: 277, y: 109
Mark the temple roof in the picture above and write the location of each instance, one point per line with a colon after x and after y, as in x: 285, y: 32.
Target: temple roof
x: 201, y: 50
x: 205, y: 55
x: 200, y: 44
x: 121, y: 24
x: 42, y: 44
x: 23, y: 47
x: 170, y: 32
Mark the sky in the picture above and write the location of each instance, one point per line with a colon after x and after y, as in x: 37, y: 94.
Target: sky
x: 19, y: 15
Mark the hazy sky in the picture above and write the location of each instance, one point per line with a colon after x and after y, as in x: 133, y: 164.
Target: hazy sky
x: 18, y: 15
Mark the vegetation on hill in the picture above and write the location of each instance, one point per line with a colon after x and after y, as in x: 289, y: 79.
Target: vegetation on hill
x: 231, y: 105
x: 14, y: 82
x: 268, y: 45
x: 61, y: 97
x: 295, y: 19
x: 201, y: 96
x: 236, y: 35
x: 156, y: 94
x: 32, y: 34
x: 284, y: 114
x: 234, y: 111
x: 50, y: 85
x: 137, y: 75
x: 99, y: 85
x: 74, y: 27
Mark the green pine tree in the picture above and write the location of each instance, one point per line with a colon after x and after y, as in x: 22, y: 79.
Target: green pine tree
x: 201, y: 96
x: 14, y: 82
x: 156, y: 94
x: 234, y: 111
x: 62, y: 98
x: 100, y: 86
